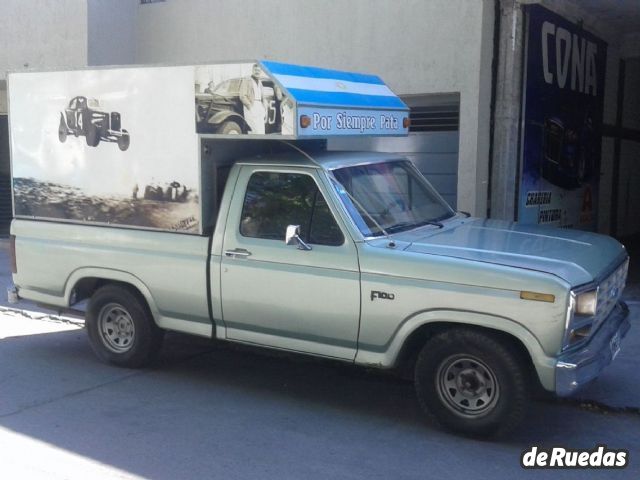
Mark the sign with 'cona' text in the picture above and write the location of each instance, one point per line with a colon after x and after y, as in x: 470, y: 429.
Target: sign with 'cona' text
x: 562, y: 110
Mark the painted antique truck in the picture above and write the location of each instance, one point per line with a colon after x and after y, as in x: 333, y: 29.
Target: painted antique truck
x: 291, y: 246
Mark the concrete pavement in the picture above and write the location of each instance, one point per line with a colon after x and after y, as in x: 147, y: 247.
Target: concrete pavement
x: 215, y: 410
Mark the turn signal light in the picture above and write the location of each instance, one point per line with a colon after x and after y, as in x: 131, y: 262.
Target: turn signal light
x: 305, y: 121
x: 406, y: 121
x: 537, y: 297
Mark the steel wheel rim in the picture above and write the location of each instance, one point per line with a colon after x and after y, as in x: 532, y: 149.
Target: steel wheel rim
x: 467, y: 386
x: 116, y: 328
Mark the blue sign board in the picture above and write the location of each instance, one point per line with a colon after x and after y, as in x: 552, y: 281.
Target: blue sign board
x: 332, y: 121
x: 563, y: 103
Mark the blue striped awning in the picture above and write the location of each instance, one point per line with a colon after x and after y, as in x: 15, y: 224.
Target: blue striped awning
x: 324, y: 87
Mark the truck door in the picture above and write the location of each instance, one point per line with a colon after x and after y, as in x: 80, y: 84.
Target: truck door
x: 275, y: 294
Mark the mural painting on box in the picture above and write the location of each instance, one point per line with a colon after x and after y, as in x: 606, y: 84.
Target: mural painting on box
x: 240, y: 98
x: 149, y: 179
x: 563, y: 108
x: 84, y: 117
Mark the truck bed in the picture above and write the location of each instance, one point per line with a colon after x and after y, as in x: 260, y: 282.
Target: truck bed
x: 54, y: 258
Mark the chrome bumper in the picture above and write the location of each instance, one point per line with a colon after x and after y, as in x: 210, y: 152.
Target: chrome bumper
x: 577, y: 368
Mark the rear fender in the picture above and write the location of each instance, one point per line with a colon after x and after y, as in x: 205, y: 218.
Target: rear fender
x: 113, y: 275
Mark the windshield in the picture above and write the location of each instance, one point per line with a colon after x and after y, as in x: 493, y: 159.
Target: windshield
x: 228, y: 88
x: 392, y: 196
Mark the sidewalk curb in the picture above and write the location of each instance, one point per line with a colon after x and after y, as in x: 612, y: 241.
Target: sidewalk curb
x: 50, y: 317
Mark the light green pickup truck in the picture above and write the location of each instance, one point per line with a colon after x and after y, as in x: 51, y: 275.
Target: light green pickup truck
x: 234, y: 220
x: 351, y: 256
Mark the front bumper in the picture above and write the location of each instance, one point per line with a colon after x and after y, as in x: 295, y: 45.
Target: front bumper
x: 577, y: 368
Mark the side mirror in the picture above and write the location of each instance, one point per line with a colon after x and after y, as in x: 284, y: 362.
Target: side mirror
x: 292, y: 237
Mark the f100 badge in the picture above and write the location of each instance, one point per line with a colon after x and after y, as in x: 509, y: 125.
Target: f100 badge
x: 381, y: 295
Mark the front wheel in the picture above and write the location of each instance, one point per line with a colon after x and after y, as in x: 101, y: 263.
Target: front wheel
x: 230, y: 128
x: 121, y: 328
x: 472, y: 382
x: 93, y: 136
x: 124, y: 140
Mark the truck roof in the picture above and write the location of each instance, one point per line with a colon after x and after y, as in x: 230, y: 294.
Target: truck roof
x: 327, y: 160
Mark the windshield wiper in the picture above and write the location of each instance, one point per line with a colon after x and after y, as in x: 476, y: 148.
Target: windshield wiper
x: 402, y: 225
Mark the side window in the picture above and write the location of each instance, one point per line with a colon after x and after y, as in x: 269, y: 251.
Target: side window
x: 275, y: 200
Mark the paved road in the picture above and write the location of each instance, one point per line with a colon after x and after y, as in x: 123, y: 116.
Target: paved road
x: 215, y: 410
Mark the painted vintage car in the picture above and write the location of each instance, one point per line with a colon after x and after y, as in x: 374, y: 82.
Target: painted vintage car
x: 220, y: 110
x: 569, y: 157
x: 84, y: 117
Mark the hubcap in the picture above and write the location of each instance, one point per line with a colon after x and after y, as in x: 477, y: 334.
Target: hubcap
x: 116, y: 328
x: 467, y: 386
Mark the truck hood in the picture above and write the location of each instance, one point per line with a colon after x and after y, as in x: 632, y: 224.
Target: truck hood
x: 576, y: 256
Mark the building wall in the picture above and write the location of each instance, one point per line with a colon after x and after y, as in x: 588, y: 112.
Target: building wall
x: 112, y: 32
x: 418, y: 47
x: 41, y: 34
x: 629, y: 180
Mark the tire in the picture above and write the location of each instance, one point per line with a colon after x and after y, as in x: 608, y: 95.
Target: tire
x: 230, y: 128
x: 121, y: 328
x: 470, y: 382
x: 93, y: 136
x: 124, y: 140
x: 62, y: 131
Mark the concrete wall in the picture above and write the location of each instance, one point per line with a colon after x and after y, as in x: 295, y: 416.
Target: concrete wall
x: 112, y: 32
x: 41, y: 34
x: 417, y: 46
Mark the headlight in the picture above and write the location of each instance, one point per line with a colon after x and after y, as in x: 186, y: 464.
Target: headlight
x: 587, y: 302
x: 580, y: 317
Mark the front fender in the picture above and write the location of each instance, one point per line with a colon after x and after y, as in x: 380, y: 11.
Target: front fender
x: 224, y: 115
x: 388, y: 355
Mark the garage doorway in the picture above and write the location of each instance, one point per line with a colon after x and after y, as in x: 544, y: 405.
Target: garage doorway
x: 6, y: 210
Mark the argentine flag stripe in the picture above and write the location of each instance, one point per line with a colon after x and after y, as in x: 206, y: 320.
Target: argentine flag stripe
x: 277, y: 68
x: 342, y: 99
x: 330, y: 85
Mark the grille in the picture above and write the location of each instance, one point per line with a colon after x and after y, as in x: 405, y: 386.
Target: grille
x: 115, y: 121
x: 609, y: 292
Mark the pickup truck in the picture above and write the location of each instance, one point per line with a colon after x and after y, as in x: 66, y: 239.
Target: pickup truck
x: 354, y: 257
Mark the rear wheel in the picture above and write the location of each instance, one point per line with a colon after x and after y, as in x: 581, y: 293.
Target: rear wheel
x: 472, y: 383
x: 230, y: 128
x: 62, y: 130
x: 121, y: 328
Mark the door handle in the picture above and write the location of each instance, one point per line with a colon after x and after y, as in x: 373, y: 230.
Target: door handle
x: 237, y: 253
